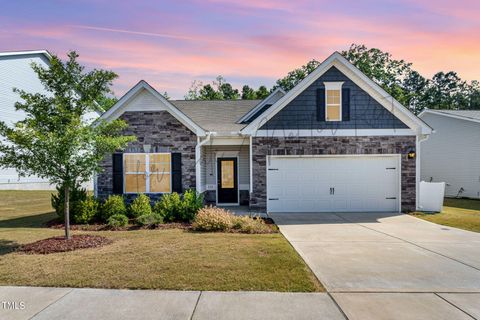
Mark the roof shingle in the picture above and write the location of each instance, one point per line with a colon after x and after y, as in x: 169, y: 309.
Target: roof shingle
x: 216, y: 115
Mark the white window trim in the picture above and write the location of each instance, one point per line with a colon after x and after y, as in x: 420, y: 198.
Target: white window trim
x: 333, y: 86
x: 147, y: 172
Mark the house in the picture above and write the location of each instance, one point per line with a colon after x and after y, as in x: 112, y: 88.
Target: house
x: 16, y: 72
x: 452, y: 153
x: 335, y: 142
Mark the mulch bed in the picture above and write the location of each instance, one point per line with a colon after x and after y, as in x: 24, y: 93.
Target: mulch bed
x: 55, y: 224
x: 60, y: 244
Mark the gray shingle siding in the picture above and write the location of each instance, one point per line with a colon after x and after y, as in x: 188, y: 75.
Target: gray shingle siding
x: 365, y: 112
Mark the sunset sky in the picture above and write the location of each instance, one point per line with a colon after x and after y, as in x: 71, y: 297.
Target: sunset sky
x: 171, y: 43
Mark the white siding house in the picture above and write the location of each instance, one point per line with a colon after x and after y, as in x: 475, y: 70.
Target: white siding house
x: 452, y: 152
x: 16, y: 72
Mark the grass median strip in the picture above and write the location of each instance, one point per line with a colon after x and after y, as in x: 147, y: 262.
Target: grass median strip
x: 458, y: 213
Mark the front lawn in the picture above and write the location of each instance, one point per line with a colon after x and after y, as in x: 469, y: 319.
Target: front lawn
x: 458, y: 213
x: 151, y: 259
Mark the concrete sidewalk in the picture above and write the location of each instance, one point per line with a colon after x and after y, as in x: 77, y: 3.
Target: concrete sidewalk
x: 19, y: 303
x: 99, y: 304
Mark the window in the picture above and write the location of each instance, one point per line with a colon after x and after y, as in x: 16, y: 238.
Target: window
x: 333, y: 101
x: 147, y: 172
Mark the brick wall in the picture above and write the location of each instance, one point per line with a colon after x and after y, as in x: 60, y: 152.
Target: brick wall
x: 165, y: 134
x: 261, y: 147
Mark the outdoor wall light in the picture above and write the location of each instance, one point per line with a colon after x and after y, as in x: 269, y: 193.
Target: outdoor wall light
x: 411, y: 154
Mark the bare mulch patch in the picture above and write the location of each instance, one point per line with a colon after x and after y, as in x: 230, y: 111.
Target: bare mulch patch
x: 60, y: 244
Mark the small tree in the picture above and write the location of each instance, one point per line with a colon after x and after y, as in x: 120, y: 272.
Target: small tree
x: 54, y: 141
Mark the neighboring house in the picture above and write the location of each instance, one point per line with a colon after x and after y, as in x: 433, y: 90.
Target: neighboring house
x: 16, y: 72
x: 452, y: 153
x: 335, y: 142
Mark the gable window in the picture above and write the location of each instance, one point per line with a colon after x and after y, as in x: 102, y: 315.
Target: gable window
x: 333, y: 101
x: 147, y: 172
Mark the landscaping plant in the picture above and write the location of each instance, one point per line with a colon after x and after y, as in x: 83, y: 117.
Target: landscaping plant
x: 169, y: 207
x: 77, y: 194
x: 148, y: 220
x: 192, y: 202
x: 212, y: 219
x: 117, y: 221
x: 219, y: 219
x: 114, y: 204
x: 140, y: 206
x: 246, y: 224
x: 85, y: 211
x: 55, y: 141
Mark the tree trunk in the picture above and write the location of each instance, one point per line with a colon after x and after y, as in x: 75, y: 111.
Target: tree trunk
x: 66, y: 211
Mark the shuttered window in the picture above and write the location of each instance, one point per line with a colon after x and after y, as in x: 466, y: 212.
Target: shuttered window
x: 333, y: 101
x: 147, y: 172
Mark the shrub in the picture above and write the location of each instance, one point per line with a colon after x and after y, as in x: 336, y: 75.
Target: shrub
x: 76, y: 195
x: 169, y: 207
x: 218, y: 219
x: 117, y: 221
x: 191, y: 203
x: 246, y: 224
x: 149, y: 220
x: 85, y: 210
x: 140, y: 206
x: 113, y: 205
x: 212, y: 219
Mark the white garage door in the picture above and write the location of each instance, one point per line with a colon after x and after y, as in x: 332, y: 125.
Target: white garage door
x: 333, y: 184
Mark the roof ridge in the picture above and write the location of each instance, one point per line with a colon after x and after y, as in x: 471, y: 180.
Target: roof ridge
x: 216, y: 100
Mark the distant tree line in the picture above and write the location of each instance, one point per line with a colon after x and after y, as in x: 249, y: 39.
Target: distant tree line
x: 445, y: 90
x: 219, y: 89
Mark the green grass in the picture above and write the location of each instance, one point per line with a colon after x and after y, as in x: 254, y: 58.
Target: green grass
x: 150, y: 259
x: 458, y: 213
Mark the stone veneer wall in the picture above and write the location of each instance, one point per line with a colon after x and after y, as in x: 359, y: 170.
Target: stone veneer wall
x: 165, y: 134
x: 261, y: 147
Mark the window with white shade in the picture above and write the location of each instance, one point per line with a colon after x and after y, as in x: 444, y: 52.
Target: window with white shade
x: 147, y: 172
x: 333, y: 101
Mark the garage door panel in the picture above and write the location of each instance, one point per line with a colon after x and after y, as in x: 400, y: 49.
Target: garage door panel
x: 303, y: 184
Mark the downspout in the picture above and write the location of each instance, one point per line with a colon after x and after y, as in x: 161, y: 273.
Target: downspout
x: 419, y: 138
x: 198, y: 160
x: 251, y: 165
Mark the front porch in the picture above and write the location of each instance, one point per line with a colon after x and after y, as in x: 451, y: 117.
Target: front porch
x: 224, y: 172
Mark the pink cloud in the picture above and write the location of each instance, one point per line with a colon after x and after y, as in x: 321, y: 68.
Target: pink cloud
x: 172, y: 55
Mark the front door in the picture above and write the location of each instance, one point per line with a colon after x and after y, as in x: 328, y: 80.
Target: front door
x: 227, y: 184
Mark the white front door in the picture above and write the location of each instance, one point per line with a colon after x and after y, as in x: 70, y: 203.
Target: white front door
x: 333, y: 183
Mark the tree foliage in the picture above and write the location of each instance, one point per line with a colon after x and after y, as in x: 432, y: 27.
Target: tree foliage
x: 106, y: 102
x: 220, y: 89
x: 442, y: 91
x: 54, y: 141
x: 217, y: 90
x: 297, y: 75
x: 445, y: 90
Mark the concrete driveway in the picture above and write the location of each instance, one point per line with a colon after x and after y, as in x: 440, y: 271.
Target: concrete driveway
x: 389, y: 262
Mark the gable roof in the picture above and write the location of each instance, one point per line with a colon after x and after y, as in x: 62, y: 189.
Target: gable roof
x: 469, y: 115
x: 45, y: 53
x: 270, y: 99
x: 220, y: 116
x: 360, y: 79
x: 117, y: 109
